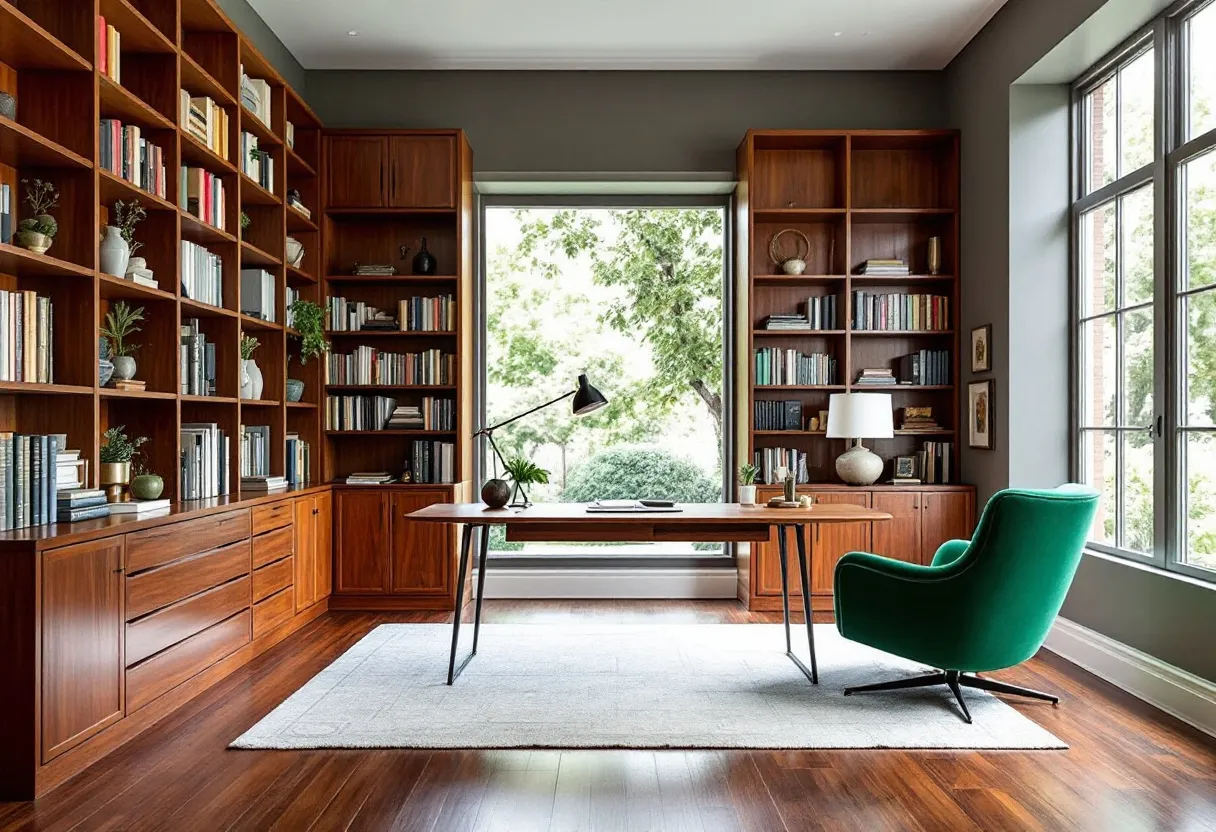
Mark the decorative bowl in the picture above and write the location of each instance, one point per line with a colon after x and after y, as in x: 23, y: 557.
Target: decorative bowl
x: 295, y: 389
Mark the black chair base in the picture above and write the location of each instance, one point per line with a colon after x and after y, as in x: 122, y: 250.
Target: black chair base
x: 955, y: 681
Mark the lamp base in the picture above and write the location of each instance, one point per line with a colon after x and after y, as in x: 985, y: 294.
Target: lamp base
x: 859, y: 466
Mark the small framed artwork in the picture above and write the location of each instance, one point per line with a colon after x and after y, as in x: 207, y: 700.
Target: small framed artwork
x: 979, y: 415
x: 981, y: 349
x: 905, y: 467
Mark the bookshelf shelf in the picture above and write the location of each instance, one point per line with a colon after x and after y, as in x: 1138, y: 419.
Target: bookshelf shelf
x: 900, y: 333
x: 22, y: 147
x: 297, y: 165
x: 298, y: 223
x: 254, y: 194
x: 796, y: 333
x: 22, y: 263
x: 390, y: 280
x: 225, y: 400
x: 437, y: 433
x: 198, y: 309
x: 111, y: 188
x: 110, y: 393
x: 26, y: 45
x: 251, y: 323
x: 252, y: 124
x: 138, y: 33
x: 373, y: 387
x: 251, y: 255
x: 389, y: 212
x: 797, y: 280
x: 900, y: 280
x: 761, y: 388
x: 389, y: 333
x: 45, y: 389
x: 198, y: 81
x: 259, y: 403
x: 798, y: 214
x: 203, y: 233
x: 196, y: 154
x: 119, y: 102
x: 117, y: 288
x: 301, y: 406
x: 298, y: 276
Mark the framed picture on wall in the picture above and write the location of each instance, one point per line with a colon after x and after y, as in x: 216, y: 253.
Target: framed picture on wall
x: 979, y: 415
x: 981, y: 349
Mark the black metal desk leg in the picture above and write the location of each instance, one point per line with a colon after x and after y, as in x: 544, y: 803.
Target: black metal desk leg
x: 453, y: 672
x: 785, y: 587
x: 481, y: 584
x: 806, y: 601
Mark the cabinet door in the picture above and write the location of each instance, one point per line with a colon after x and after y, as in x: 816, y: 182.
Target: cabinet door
x: 305, y: 553
x: 898, y: 537
x: 323, y: 548
x: 766, y: 559
x: 82, y: 642
x: 357, y: 171
x: 361, y: 538
x: 422, y: 172
x: 422, y: 552
x: 831, y: 540
x: 945, y: 515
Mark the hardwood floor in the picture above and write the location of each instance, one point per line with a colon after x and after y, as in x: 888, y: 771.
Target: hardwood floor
x: 1129, y: 767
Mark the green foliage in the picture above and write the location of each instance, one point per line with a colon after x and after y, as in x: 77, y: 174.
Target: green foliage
x: 116, y: 446
x: 748, y: 474
x: 127, y: 215
x: 499, y: 542
x: 526, y: 472
x: 39, y: 225
x: 40, y: 196
x: 248, y: 345
x: 308, y: 319
x: 245, y: 221
x: 639, y: 473
x: 121, y: 322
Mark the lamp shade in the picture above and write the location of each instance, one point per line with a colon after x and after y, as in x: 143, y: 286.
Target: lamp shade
x: 587, y: 399
x: 860, y: 416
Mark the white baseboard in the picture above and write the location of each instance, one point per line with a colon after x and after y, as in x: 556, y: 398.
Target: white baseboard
x: 1173, y: 690
x: 608, y: 582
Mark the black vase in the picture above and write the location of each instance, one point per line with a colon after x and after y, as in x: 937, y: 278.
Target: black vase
x: 424, y: 262
x: 495, y: 493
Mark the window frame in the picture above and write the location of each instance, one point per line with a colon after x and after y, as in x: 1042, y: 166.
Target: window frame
x: 1171, y: 151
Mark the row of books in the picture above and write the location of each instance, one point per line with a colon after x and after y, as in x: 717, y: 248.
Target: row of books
x: 358, y: 412
x: 125, y: 153
x: 820, y: 314
x: 256, y: 164
x: 109, y: 51
x: 422, y: 314
x: 878, y: 266
x: 433, y: 461
x: 255, y: 451
x: 768, y: 460
x: 934, y: 461
x: 897, y: 311
x: 368, y: 365
x: 257, y: 293
x: 6, y: 212
x: 28, y: 479
x: 777, y: 415
x: 355, y: 315
x: 197, y: 357
x: 204, y: 460
x: 433, y: 414
x: 255, y: 97
x: 27, y: 342
x: 298, y: 461
x: 202, y: 196
x: 202, y: 274
x: 206, y: 121
x: 786, y: 367
x: 925, y: 367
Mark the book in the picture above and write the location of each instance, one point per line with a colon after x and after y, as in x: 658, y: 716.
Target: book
x: 139, y: 506
x: 77, y: 497
x: 257, y: 293
x: 375, y: 478
x: 6, y: 213
x: 75, y: 515
x: 128, y: 384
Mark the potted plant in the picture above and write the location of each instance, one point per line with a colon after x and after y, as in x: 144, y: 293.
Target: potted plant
x: 146, y: 485
x: 747, y: 484
x: 119, y: 245
x: 121, y: 322
x: 251, y: 374
x: 245, y: 223
x: 36, y: 233
x: 117, y: 450
x: 308, y: 321
x: 524, y: 472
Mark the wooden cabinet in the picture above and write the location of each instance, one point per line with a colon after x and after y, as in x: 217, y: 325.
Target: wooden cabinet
x: 824, y: 545
x: 421, y: 552
x: 324, y: 566
x: 313, y: 554
x: 356, y: 171
x: 922, y: 521
x: 361, y: 529
x: 392, y: 171
x: 947, y: 515
x: 82, y: 642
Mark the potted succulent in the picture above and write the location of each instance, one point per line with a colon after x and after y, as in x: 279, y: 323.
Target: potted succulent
x: 119, y: 245
x: 251, y: 374
x: 121, y: 322
x: 117, y: 451
x: 523, y: 472
x: 146, y: 485
x: 308, y: 321
x: 36, y: 233
x: 747, y: 484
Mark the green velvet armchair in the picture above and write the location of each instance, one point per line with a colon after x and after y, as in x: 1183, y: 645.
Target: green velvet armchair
x: 984, y: 604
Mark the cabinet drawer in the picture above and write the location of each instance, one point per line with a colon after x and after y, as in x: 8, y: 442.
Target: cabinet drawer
x: 178, y: 622
x: 158, y: 588
x: 272, y: 546
x: 273, y: 516
x: 270, y: 579
x: 156, y: 547
x: 168, y: 669
x: 275, y: 610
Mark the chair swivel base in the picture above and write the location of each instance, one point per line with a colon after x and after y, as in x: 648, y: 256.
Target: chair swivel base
x: 955, y: 681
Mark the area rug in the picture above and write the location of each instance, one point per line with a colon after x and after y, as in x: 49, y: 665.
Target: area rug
x: 567, y: 685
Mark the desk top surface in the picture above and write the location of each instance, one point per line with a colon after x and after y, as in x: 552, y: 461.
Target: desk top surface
x: 692, y: 514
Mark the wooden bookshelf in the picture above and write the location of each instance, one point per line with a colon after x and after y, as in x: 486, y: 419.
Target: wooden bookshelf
x: 49, y: 60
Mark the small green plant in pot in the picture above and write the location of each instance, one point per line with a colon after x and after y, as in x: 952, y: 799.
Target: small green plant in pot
x: 747, y: 484
x: 524, y: 472
x: 36, y: 233
x: 117, y: 451
x: 308, y: 321
x: 122, y: 321
x: 251, y: 374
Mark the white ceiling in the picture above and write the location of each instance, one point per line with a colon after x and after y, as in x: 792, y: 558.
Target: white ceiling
x: 626, y: 34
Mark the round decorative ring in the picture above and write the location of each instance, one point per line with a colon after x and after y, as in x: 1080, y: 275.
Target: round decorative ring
x: 774, y: 249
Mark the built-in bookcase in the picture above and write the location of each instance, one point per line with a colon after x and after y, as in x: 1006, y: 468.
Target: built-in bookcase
x: 49, y: 60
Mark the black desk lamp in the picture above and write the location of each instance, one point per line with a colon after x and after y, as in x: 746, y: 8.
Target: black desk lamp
x: 586, y: 400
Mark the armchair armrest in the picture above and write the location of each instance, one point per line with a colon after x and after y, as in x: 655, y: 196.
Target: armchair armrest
x: 889, y: 603
x: 950, y: 551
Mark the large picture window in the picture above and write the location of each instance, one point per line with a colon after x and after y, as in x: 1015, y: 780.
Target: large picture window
x: 1144, y: 269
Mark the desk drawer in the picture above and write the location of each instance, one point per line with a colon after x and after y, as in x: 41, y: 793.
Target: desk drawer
x: 272, y: 546
x: 275, y: 610
x: 158, y: 588
x: 164, y: 544
x: 270, y: 579
x: 178, y: 622
x: 169, y: 668
x: 273, y: 516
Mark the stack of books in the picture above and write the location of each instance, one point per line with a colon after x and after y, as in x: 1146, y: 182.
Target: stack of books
x: 28, y: 479
x: 930, y: 367
x: 784, y: 322
x: 76, y: 504
x: 358, y: 412
x: 255, y: 97
x: 141, y: 508
x: 197, y: 361
x: 374, y: 270
x: 372, y: 478
x: 204, y: 462
x: 875, y: 378
x: 263, y: 483
x: 128, y: 384
x: 368, y: 365
x: 405, y: 417
x: 202, y: 196
x: 433, y: 414
x: 352, y: 316
x: 126, y: 154
x: 27, y: 342
x: 935, y: 462
x: 257, y: 164
x: 143, y: 276
x: 255, y: 451
x: 257, y: 293
x: 898, y: 311
x: 109, y: 51
x: 778, y: 415
x: 884, y: 267
x: 298, y: 461
x: 785, y: 368
x: 6, y: 212
x: 918, y: 419
x: 71, y: 472
x: 293, y: 202
x: 433, y: 462
x: 206, y: 121
x: 427, y: 314
x: 202, y: 274
x: 768, y: 460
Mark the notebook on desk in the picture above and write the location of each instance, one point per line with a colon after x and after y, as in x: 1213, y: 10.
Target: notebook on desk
x: 628, y: 507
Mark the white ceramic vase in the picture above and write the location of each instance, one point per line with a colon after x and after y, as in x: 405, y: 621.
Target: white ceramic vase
x: 124, y: 367
x: 251, y: 380
x: 114, y: 253
x: 747, y: 495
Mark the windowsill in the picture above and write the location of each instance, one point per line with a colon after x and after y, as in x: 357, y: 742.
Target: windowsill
x: 600, y: 561
x: 1152, y: 569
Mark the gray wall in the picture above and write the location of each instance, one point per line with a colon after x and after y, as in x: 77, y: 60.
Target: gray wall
x: 622, y: 122
x: 267, y: 42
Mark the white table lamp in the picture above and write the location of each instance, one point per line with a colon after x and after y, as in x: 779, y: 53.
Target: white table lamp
x: 860, y: 416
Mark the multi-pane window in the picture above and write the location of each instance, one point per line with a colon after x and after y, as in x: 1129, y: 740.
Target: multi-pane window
x: 1144, y: 231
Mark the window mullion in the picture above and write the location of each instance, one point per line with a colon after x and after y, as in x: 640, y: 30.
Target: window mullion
x: 1166, y: 112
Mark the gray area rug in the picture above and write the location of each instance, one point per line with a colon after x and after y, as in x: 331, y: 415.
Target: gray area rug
x: 570, y: 685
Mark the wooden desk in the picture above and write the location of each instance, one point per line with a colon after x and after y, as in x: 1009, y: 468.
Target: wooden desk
x: 696, y: 522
